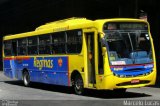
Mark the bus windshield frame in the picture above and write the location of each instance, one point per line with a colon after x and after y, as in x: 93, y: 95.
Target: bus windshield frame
x: 128, y: 43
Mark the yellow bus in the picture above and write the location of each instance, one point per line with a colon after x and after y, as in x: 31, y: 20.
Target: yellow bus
x: 105, y: 54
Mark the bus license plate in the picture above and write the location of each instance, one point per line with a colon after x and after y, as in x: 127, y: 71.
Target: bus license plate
x: 135, y: 81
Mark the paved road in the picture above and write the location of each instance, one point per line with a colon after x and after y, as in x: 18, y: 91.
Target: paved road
x: 14, y: 90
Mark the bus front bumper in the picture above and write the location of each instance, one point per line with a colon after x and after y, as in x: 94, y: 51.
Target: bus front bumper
x: 113, y: 82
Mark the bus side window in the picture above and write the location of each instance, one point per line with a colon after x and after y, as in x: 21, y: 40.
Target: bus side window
x: 32, y: 45
x: 44, y: 44
x: 14, y: 47
x: 59, y: 43
x: 22, y: 46
x: 7, y: 48
x: 74, y: 41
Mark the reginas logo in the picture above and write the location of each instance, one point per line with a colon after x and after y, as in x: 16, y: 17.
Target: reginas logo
x: 43, y: 63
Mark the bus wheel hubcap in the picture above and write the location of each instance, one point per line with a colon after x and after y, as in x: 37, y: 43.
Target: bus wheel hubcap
x: 78, y: 85
x: 26, y: 79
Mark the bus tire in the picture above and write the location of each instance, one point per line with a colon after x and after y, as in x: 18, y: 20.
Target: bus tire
x: 26, y: 78
x: 78, y: 85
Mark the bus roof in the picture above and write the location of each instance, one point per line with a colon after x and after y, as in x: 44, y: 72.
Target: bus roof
x: 67, y: 24
x: 56, y: 26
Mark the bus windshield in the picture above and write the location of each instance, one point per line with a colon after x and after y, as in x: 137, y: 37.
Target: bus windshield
x: 128, y: 43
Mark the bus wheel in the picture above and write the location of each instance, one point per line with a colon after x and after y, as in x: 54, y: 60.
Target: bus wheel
x: 26, y: 78
x: 78, y: 85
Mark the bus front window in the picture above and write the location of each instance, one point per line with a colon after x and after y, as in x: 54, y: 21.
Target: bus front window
x: 128, y: 46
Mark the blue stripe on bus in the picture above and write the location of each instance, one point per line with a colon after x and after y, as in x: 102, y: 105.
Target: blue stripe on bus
x: 51, y: 70
x: 136, y: 70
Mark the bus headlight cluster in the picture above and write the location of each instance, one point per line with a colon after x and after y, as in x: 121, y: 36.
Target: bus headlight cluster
x: 148, y: 73
x: 121, y: 76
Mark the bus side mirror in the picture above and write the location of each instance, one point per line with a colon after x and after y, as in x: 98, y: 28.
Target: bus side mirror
x: 104, y: 50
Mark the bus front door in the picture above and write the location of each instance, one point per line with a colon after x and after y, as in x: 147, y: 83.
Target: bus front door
x: 90, y: 58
